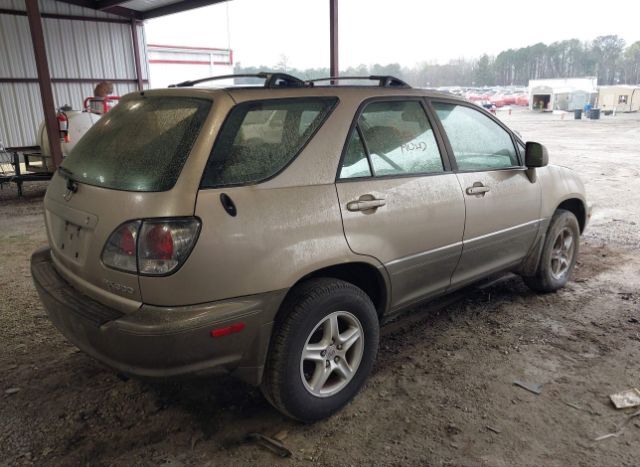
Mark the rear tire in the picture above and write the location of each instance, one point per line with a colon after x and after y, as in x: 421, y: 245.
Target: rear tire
x: 323, y: 349
x: 559, y: 253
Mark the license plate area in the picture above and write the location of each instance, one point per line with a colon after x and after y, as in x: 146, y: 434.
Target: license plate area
x: 70, y: 231
x: 71, y: 241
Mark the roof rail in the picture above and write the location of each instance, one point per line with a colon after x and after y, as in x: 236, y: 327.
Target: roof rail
x: 383, y: 81
x: 271, y: 80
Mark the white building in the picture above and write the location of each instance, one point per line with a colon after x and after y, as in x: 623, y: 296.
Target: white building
x: 562, y: 94
x: 172, y: 64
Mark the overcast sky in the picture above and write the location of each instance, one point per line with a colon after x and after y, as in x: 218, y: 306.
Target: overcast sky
x: 382, y: 31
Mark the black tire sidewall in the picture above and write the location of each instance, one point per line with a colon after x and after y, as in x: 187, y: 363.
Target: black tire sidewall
x: 562, y: 219
x: 298, y: 400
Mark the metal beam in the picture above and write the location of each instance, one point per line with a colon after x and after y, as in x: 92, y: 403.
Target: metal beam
x: 44, y: 80
x: 333, y: 33
x: 83, y: 3
x: 124, y: 12
x: 177, y: 8
x: 104, y: 4
x: 136, y: 53
x: 113, y: 9
x: 90, y: 19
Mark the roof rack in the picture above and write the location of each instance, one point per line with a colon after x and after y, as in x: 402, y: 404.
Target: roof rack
x: 383, y: 81
x: 271, y: 80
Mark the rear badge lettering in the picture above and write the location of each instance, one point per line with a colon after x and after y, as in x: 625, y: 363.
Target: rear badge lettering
x: 120, y: 288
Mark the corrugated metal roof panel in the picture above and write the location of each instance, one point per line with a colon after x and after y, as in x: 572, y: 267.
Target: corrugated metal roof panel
x: 57, y: 8
x: 146, y: 5
x: 76, y: 49
x: 94, y: 51
x: 12, y: 5
x: 61, y: 8
x: 16, y: 60
x: 20, y: 113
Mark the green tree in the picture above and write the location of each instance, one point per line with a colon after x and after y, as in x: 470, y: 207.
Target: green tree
x: 484, y: 71
x: 632, y: 64
x: 607, y: 51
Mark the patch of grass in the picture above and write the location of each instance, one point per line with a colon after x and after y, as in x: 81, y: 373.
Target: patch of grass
x: 13, y: 239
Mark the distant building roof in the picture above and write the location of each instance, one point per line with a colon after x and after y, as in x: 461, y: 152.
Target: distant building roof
x: 587, y: 84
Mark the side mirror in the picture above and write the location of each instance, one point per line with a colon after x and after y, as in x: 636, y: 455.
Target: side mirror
x: 535, y: 155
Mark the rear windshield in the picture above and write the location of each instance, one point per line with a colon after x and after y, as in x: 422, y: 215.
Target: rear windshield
x: 259, y: 139
x: 140, y: 145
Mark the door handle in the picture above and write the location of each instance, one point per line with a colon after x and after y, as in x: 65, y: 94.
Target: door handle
x: 365, y: 204
x: 477, y: 189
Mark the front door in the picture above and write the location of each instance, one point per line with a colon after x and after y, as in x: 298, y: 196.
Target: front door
x: 400, y: 202
x: 502, y: 203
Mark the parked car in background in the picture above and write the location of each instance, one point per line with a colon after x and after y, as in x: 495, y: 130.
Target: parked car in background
x: 267, y: 232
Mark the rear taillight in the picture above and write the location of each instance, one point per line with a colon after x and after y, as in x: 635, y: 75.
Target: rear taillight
x: 165, y: 244
x: 151, y: 247
x: 120, y: 250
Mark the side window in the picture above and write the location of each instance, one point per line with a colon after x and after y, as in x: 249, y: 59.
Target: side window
x: 398, y: 140
x: 478, y: 142
x: 259, y: 138
x: 356, y: 162
x: 306, y: 119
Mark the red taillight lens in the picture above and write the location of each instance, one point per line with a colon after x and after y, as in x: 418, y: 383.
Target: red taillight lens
x: 120, y: 250
x: 127, y: 241
x: 159, y: 242
x: 165, y: 244
x: 151, y: 247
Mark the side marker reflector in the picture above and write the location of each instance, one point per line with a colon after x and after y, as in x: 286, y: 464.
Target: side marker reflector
x: 225, y: 331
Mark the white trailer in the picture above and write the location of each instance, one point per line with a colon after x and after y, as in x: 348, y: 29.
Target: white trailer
x: 621, y: 98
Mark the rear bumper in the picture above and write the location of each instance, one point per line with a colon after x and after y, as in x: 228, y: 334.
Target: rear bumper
x: 159, y: 341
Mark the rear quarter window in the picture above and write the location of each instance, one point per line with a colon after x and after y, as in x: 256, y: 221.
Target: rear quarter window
x: 140, y: 145
x: 258, y: 139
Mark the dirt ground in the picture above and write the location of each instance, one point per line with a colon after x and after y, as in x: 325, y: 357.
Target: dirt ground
x: 442, y: 392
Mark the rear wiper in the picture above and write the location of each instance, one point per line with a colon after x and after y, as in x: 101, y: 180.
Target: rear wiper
x: 72, y: 184
x: 68, y: 174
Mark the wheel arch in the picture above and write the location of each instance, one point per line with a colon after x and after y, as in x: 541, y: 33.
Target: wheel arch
x: 577, y: 207
x: 369, y: 278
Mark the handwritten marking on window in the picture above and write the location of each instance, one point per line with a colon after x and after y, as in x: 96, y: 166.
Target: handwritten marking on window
x: 408, y: 147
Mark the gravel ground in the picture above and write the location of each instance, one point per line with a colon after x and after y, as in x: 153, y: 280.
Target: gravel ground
x: 442, y: 392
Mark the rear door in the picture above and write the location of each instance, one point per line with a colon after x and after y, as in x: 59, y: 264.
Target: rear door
x: 502, y: 203
x: 400, y: 202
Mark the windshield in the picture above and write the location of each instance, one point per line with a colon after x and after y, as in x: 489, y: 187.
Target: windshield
x: 140, y: 145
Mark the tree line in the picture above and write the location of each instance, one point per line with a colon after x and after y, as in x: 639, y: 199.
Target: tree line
x: 607, y: 57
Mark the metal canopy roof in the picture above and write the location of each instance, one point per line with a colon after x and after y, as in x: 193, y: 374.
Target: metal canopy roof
x: 134, y: 11
x: 142, y: 9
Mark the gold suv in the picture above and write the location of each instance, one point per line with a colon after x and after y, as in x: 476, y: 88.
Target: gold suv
x: 267, y: 230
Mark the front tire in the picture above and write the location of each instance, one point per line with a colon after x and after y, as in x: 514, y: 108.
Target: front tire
x: 323, y: 349
x: 559, y: 253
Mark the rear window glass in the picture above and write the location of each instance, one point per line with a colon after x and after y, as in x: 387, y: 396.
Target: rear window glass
x: 140, y: 145
x: 259, y: 139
